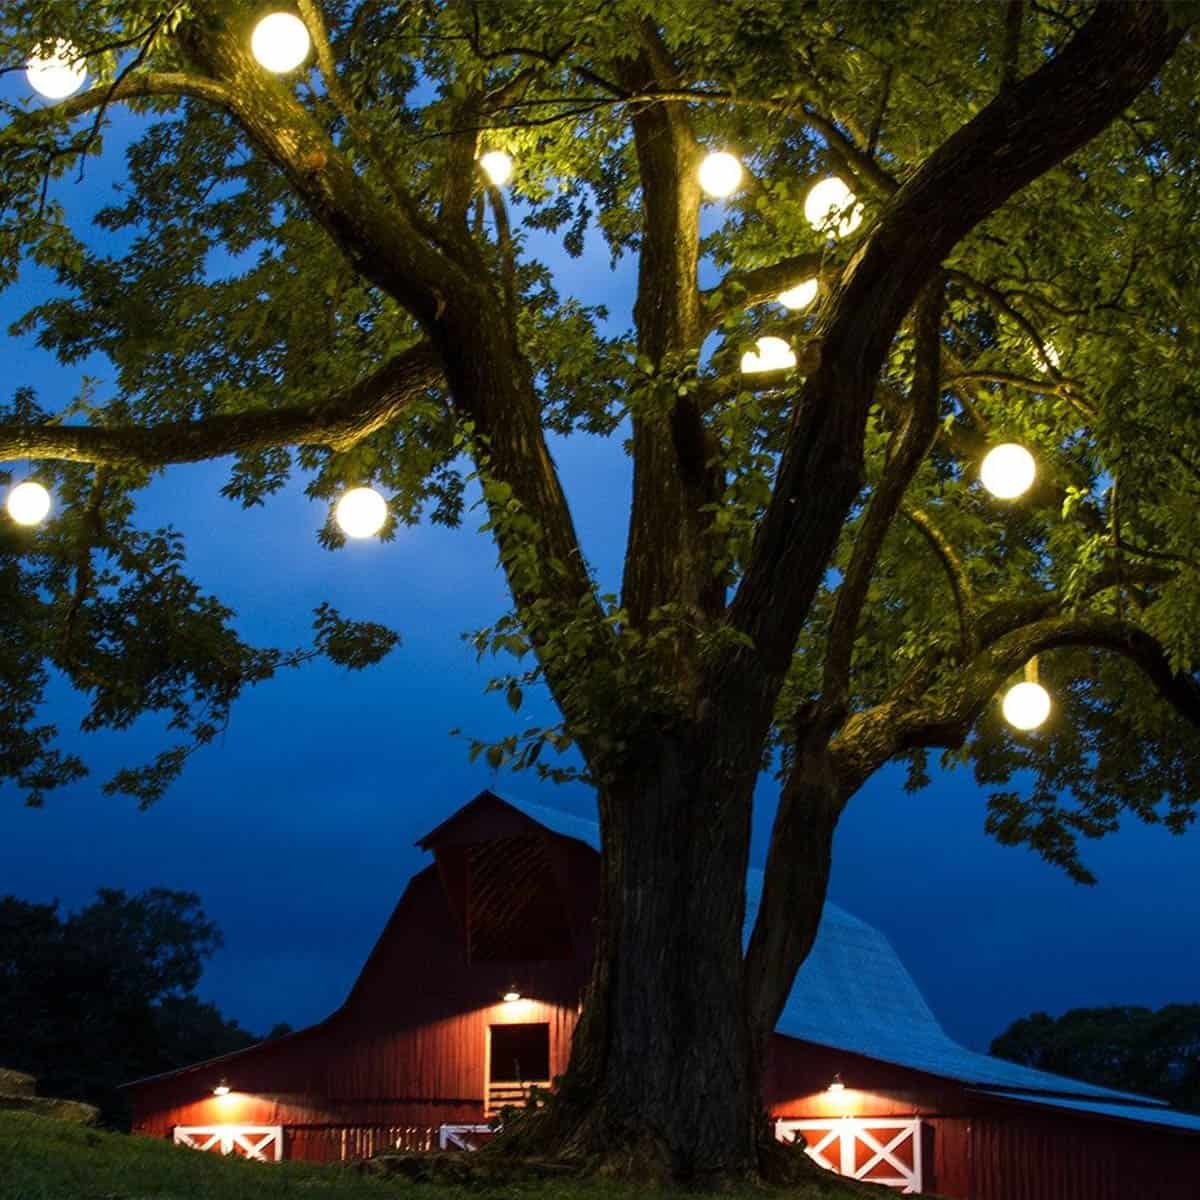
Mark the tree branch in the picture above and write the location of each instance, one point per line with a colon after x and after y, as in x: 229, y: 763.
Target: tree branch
x: 956, y: 573
x: 871, y: 738
x: 743, y: 289
x: 340, y: 422
x: 674, y: 486
x: 911, y: 443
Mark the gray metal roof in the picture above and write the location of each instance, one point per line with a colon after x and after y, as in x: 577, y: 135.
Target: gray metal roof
x: 1149, y: 1114
x: 853, y: 993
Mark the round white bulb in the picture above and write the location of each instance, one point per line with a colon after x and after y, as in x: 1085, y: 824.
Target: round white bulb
x: 361, y: 512
x: 56, y: 70
x: 1026, y: 705
x: 1008, y: 471
x: 497, y: 166
x: 769, y: 354
x: 800, y: 296
x: 28, y: 503
x: 830, y: 208
x: 720, y: 174
x: 280, y: 42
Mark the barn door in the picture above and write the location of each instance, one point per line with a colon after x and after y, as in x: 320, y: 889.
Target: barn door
x: 876, y: 1150
x: 264, y: 1143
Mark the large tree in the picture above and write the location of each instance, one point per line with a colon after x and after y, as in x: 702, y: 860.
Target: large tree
x: 309, y: 273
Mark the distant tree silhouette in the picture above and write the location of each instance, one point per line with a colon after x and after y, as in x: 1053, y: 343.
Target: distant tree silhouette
x: 92, y: 999
x: 1135, y: 1049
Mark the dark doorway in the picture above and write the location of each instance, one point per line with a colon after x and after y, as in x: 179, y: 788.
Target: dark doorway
x: 520, y: 1054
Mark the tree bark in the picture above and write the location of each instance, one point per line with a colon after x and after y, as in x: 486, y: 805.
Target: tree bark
x: 661, y: 1082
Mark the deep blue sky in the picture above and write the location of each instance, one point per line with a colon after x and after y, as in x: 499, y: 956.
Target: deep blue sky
x: 297, y: 827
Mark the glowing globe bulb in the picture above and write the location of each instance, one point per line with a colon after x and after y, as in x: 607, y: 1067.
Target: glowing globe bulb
x: 1008, y: 471
x: 720, y: 174
x: 769, y: 354
x: 28, y: 503
x: 830, y: 208
x: 497, y: 166
x: 361, y: 512
x: 800, y: 297
x: 280, y: 42
x: 56, y: 71
x: 511, y: 996
x: 1026, y: 705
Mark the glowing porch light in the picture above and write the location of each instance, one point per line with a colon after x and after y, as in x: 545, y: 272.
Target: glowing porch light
x: 56, y: 70
x: 836, y: 1085
x: 720, y: 174
x: 1008, y: 471
x: 1026, y: 705
x: 497, y: 166
x: 28, y: 503
x: 511, y: 996
x: 222, y: 1089
x: 770, y: 354
x: 280, y: 42
x: 361, y: 512
x: 798, y: 298
x: 830, y: 207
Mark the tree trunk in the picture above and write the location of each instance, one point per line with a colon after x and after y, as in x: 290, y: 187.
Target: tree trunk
x: 661, y: 1082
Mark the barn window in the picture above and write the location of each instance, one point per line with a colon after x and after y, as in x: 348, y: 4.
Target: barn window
x: 520, y: 1053
x: 515, y: 908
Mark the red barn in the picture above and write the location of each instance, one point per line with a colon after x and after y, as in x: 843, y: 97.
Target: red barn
x: 472, y: 992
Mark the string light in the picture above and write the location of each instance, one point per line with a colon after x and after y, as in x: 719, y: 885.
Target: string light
x: 28, y: 503
x: 497, y: 166
x: 361, y: 512
x: 1026, y: 705
x: 1008, y: 471
x: 280, y: 42
x: 770, y: 354
x: 720, y: 174
x: 830, y: 208
x: 798, y: 298
x: 56, y: 70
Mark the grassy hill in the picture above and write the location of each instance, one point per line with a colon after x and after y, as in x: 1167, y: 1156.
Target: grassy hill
x: 45, y: 1159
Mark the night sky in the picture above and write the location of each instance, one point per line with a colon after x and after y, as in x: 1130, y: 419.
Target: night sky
x: 297, y: 827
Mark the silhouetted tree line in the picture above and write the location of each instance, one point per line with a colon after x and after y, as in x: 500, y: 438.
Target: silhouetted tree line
x: 92, y: 999
x: 1133, y: 1049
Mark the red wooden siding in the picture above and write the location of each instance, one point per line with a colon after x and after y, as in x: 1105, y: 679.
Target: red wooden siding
x: 407, y: 1047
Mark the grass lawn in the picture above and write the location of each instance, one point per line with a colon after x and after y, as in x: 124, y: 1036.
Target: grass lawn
x: 44, y: 1159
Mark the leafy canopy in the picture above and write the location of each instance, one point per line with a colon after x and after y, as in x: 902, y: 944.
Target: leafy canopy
x: 219, y: 287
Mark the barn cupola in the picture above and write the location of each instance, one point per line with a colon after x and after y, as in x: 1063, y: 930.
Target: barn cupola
x: 508, y: 883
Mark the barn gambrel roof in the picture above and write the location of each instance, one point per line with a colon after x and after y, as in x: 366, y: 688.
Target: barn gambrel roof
x: 853, y: 993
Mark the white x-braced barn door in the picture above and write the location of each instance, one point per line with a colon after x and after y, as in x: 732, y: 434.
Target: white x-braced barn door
x: 877, y: 1150
x: 261, y: 1142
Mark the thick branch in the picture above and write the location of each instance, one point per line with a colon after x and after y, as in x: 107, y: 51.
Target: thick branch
x: 667, y: 558
x: 870, y: 738
x: 339, y: 422
x: 743, y: 289
x: 137, y: 86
